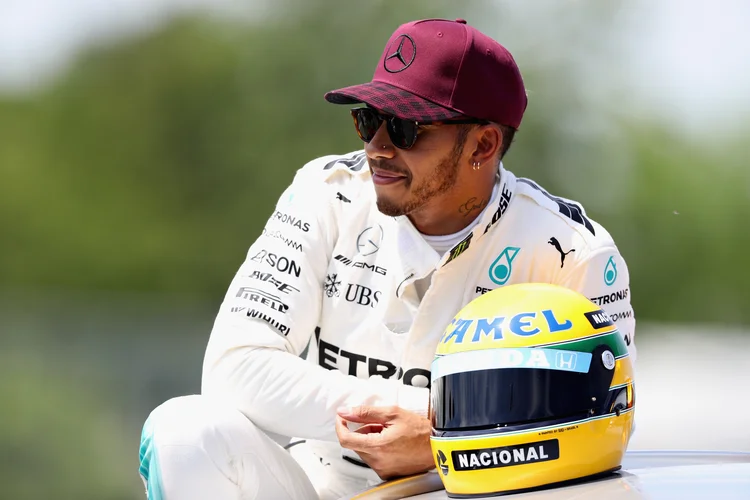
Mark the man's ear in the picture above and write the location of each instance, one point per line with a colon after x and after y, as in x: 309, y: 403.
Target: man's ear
x: 489, y: 141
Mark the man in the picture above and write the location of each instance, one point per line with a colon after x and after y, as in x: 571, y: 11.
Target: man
x: 364, y: 262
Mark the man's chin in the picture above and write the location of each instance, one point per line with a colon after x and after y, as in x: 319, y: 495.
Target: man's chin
x: 389, y: 208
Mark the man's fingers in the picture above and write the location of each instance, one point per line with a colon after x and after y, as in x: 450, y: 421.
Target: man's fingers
x: 353, y: 440
x: 369, y: 414
x: 370, y: 429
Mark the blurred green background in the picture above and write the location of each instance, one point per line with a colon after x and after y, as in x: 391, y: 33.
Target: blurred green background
x: 133, y: 180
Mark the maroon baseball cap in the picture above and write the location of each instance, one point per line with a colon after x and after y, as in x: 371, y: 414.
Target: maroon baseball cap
x: 437, y: 69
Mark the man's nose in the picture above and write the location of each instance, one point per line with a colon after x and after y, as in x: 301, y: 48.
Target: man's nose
x: 380, y: 146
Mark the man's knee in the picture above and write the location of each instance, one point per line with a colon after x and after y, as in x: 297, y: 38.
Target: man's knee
x: 190, y: 436
x: 195, y: 444
x: 196, y: 421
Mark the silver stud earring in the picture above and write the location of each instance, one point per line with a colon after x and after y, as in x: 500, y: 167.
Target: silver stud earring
x: 475, y: 165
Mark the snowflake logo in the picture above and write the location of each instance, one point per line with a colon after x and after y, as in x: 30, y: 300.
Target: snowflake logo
x: 331, y: 286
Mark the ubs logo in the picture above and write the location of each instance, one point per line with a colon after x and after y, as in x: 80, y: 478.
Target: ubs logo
x: 362, y: 295
x: 362, y: 265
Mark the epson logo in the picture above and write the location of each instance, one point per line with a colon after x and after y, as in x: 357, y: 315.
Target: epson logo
x: 262, y: 297
x: 283, y: 264
x: 506, y: 456
x: 362, y: 265
x: 347, y: 261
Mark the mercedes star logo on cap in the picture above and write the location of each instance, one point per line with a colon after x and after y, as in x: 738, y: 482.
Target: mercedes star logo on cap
x: 401, y: 58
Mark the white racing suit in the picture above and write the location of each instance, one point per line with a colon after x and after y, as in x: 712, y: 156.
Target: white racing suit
x: 332, y: 274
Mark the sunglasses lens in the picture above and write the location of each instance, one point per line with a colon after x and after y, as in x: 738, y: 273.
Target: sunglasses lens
x: 403, y: 133
x: 367, y: 122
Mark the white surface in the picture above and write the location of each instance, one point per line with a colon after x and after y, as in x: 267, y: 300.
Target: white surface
x: 645, y: 475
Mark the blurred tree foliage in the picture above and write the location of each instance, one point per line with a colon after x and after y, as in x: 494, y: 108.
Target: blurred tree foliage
x: 153, y: 163
x: 58, y: 440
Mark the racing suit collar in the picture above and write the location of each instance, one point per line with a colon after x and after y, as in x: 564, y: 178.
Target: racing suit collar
x: 419, y: 258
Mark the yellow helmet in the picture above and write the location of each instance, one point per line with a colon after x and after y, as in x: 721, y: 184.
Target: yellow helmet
x: 531, y: 385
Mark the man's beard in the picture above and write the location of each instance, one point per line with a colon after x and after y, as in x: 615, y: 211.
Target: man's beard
x: 441, y: 180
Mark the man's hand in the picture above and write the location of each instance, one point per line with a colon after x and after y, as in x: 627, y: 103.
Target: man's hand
x: 392, y: 441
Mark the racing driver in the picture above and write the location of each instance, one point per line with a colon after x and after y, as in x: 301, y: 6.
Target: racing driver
x: 317, y: 371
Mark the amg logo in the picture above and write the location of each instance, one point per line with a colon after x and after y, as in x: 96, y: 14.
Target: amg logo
x: 252, y: 313
x: 262, y: 297
x: 374, y: 269
x: 612, y: 297
x: 362, y: 265
x: 347, y: 261
x: 506, y: 456
x: 269, y: 278
x: 599, y: 319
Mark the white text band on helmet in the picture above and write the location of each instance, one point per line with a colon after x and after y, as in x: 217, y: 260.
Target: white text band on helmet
x: 522, y: 357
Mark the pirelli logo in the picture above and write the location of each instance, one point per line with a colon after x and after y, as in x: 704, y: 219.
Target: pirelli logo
x: 262, y: 297
x: 506, y: 456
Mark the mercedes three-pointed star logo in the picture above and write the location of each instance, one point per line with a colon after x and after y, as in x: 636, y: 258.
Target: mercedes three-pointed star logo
x: 369, y: 240
x: 402, y: 57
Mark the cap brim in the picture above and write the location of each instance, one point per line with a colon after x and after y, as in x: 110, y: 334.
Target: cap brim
x: 393, y: 101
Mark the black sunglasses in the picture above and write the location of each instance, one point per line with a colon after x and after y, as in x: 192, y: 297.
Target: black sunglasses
x: 403, y: 133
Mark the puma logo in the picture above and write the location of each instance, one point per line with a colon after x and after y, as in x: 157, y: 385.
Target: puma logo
x: 343, y: 198
x: 553, y: 241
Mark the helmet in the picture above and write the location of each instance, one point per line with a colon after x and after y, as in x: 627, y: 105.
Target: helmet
x: 531, y: 385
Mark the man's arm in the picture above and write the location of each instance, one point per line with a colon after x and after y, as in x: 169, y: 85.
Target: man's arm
x: 269, y: 315
x: 603, y: 277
